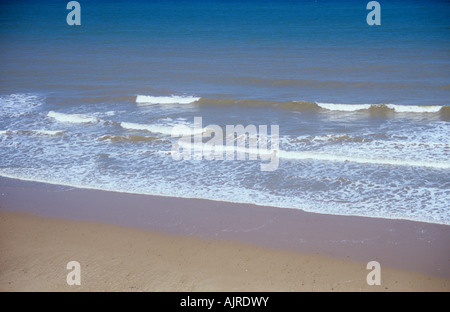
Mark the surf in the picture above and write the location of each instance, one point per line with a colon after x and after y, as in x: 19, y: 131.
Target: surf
x: 150, y: 100
x: 72, y: 118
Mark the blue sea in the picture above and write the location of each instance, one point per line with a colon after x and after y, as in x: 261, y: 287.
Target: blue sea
x: 363, y: 111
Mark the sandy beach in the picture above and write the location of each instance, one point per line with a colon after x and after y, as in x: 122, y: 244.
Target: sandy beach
x: 127, y: 242
x: 224, y: 146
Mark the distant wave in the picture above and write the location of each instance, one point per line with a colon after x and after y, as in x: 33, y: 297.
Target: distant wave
x: 394, y: 107
x: 149, y: 100
x: 72, y: 118
x: 308, y: 106
x: 299, y: 105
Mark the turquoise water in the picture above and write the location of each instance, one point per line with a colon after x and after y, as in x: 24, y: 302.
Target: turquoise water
x: 362, y: 110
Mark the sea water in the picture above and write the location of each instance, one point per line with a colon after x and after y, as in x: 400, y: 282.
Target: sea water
x: 362, y: 110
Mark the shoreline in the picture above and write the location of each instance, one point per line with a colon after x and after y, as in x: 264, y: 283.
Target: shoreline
x: 69, y: 186
x: 414, y: 249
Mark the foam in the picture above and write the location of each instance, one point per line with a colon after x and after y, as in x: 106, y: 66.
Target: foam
x: 35, y: 132
x: 394, y: 107
x: 16, y: 105
x: 300, y: 155
x: 226, y: 148
x: 166, y: 130
x: 303, y: 155
x: 344, y: 107
x: 72, y: 118
x: 414, y: 108
x: 146, y: 99
x: 129, y: 138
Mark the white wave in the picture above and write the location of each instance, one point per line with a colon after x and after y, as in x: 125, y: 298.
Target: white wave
x: 344, y: 107
x: 299, y: 155
x: 146, y: 99
x: 395, y: 107
x: 72, y: 118
x: 414, y: 108
x: 166, y: 130
x: 48, y: 132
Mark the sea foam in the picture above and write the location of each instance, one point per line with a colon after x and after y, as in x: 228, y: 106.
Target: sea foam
x: 304, y: 155
x: 394, y: 107
x: 148, y: 100
x: 162, y: 129
x: 72, y: 118
x: 16, y: 105
x: 33, y: 132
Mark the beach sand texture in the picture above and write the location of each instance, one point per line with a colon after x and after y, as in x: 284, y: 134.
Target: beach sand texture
x: 35, y: 248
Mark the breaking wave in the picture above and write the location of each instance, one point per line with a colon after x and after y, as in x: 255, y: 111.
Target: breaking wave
x: 149, y: 100
x: 162, y: 129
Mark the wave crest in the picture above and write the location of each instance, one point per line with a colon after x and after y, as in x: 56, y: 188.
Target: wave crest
x: 308, y: 106
x: 149, y: 100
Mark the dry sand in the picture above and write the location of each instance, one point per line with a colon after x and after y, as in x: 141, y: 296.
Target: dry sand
x: 34, y: 252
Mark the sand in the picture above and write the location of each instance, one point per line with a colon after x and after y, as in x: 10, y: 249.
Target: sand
x: 123, y: 250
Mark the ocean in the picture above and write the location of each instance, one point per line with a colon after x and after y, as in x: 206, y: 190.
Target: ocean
x: 363, y: 111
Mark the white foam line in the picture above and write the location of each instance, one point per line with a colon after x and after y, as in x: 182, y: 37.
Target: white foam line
x: 341, y: 158
x: 37, y: 132
x: 397, y: 108
x: 166, y: 130
x: 80, y: 186
x: 226, y: 148
x: 414, y: 108
x: 298, y: 155
x: 344, y: 107
x: 146, y: 99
